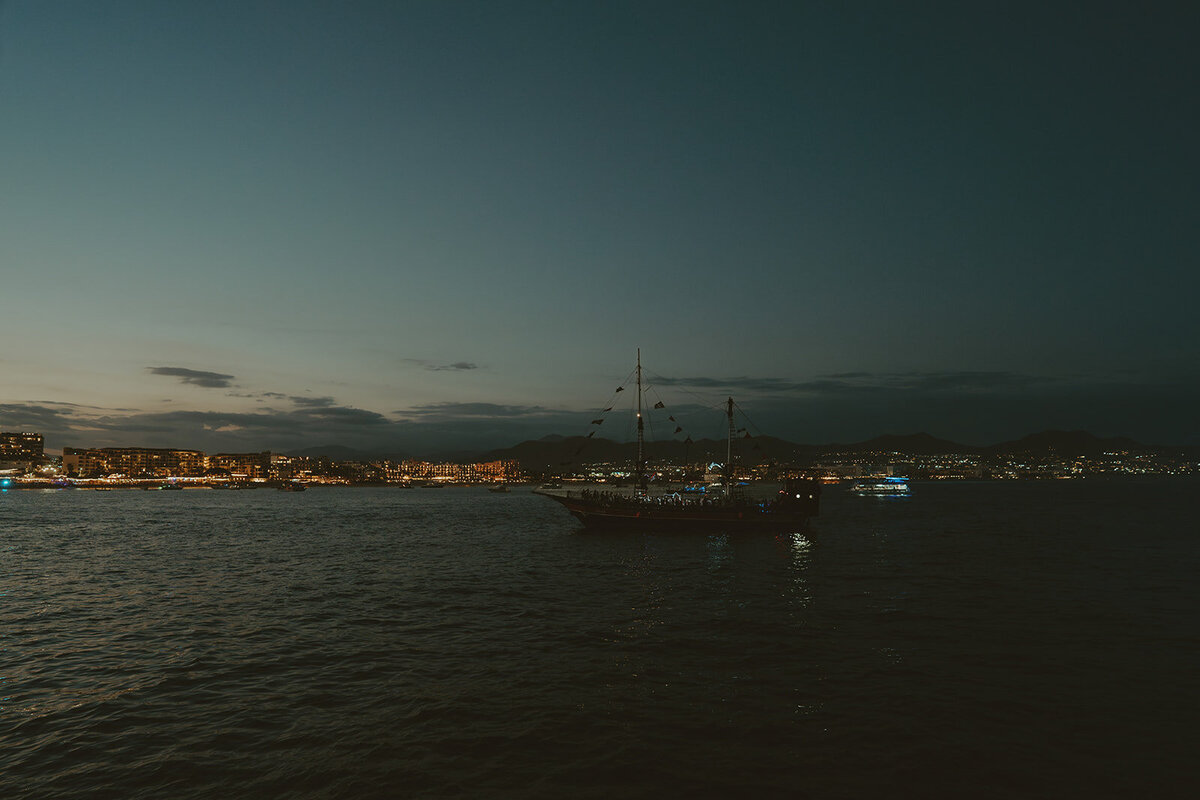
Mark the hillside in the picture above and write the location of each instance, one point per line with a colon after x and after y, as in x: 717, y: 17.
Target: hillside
x: 555, y: 452
x: 1069, y: 443
x: 915, y: 443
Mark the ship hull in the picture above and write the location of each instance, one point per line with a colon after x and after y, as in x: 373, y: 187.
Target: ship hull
x: 699, y: 519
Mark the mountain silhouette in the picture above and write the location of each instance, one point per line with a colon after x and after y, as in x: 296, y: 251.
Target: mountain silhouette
x: 1069, y: 443
x: 548, y: 453
x: 553, y: 452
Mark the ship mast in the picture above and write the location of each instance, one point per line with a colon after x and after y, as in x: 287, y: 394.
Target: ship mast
x: 641, y: 439
x: 729, y: 450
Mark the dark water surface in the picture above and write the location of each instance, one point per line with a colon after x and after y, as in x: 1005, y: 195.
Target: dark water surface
x: 977, y: 640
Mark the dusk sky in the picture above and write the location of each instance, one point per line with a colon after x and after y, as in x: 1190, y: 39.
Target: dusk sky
x: 423, y: 226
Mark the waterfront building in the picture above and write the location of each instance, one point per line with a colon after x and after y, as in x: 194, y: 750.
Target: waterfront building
x: 134, y: 462
x: 449, y: 472
x: 488, y: 472
x: 255, y: 466
x: 21, y: 446
x: 498, y: 471
x: 390, y: 472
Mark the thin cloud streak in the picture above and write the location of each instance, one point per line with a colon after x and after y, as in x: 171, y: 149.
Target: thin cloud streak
x: 342, y: 415
x: 457, y: 366
x: 950, y: 381
x: 313, y: 402
x: 450, y: 411
x: 209, y: 380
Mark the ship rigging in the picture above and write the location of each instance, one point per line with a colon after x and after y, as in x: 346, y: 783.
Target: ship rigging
x: 731, y: 510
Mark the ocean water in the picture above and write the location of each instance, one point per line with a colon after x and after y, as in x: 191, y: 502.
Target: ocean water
x: 989, y: 640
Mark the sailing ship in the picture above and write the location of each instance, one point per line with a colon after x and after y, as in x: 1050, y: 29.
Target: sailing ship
x: 730, y: 510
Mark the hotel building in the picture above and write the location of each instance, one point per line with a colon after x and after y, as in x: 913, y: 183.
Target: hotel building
x: 265, y: 465
x: 134, y: 462
x: 21, y: 446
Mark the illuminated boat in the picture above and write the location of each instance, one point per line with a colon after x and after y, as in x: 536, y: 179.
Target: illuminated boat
x: 730, y: 510
x: 882, y: 487
x: 789, y: 510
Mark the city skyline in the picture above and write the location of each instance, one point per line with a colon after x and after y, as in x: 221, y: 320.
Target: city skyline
x: 578, y: 449
x: 1053, y: 455
x: 240, y: 227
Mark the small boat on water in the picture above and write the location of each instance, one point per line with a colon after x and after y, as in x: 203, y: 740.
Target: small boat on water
x: 292, y: 486
x: 881, y: 487
x: 500, y: 488
x: 730, y: 510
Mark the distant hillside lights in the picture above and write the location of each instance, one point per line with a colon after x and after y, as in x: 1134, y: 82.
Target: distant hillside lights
x: 23, y: 460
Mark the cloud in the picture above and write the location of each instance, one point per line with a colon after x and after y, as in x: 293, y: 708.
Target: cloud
x: 196, y: 420
x: 855, y: 382
x: 450, y: 411
x: 428, y: 429
x: 970, y: 406
x: 984, y: 407
x: 969, y: 381
x: 209, y: 380
x: 457, y: 366
x: 973, y: 407
x: 312, y: 402
x: 36, y: 416
x: 744, y: 383
x: 344, y: 415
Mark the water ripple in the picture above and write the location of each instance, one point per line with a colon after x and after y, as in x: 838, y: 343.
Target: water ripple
x: 382, y: 643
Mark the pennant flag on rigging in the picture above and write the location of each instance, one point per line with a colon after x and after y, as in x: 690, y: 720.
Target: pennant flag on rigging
x: 659, y: 404
x: 598, y: 422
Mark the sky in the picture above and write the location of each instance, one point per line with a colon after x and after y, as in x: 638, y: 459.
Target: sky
x: 417, y: 227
